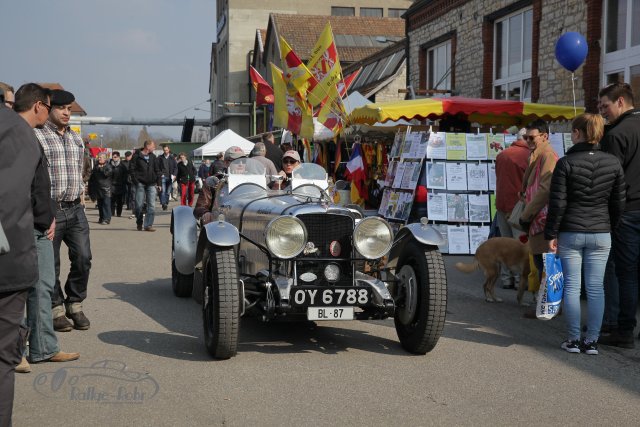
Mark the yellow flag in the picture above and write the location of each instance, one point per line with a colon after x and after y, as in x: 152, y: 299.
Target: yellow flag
x: 325, y: 67
x: 296, y: 75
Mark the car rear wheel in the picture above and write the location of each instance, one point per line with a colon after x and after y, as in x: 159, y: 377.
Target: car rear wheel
x: 182, y: 284
x: 221, y: 302
x: 421, y: 311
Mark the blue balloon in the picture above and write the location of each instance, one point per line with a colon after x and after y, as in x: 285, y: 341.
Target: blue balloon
x: 571, y: 50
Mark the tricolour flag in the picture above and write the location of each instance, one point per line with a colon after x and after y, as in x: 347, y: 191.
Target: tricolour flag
x: 264, y: 92
x: 357, y: 175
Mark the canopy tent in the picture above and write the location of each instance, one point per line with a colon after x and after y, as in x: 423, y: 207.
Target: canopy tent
x: 225, y: 139
x: 476, y: 110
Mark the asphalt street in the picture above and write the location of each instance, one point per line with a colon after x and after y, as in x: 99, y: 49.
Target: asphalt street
x: 143, y: 361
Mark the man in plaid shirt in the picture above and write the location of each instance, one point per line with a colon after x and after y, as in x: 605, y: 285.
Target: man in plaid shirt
x: 64, y: 150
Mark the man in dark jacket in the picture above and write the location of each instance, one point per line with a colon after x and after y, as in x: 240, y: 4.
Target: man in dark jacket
x: 43, y: 343
x: 19, y: 157
x: 167, y: 169
x: 145, y: 179
x: 622, y: 139
x: 119, y: 177
x: 274, y: 153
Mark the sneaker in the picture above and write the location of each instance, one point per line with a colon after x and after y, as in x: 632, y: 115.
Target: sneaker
x: 80, y: 321
x: 590, y: 347
x: 61, y: 324
x: 572, y: 346
x: 149, y: 229
x: 23, y: 367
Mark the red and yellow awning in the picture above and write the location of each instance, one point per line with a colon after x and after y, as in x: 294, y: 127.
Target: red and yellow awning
x: 476, y: 110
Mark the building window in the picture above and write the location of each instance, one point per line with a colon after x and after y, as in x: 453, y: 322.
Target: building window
x: 371, y: 11
x: 622, y: 44
x: 396, y: 13
x: 439, y: 66
x: 512, y: 56
x: 343, y: 11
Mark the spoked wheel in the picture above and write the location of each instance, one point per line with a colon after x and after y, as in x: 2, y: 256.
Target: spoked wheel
x: 421, y: 311
x: 221, y: 302
x: 182, y: 284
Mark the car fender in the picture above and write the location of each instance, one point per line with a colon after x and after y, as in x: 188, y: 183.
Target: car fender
x: 422, y: 232
x: 184, y: 230
x: 222, y: 233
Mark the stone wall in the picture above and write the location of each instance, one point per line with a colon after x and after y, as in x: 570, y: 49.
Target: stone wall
x: 558, y: 16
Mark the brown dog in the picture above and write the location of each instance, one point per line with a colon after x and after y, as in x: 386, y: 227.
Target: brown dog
x: 491, y: 254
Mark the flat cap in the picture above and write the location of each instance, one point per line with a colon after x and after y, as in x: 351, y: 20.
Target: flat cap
x: 61, y: 97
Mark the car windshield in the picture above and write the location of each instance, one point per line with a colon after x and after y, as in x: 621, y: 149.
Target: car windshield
x: 247, y: 171
x: 309, y: 179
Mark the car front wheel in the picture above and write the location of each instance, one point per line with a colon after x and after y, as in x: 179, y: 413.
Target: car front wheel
x: 221, y: 302
x: 422, y: 302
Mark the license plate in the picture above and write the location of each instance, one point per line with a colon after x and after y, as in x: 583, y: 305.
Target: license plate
x: 330, y: 313
x: 305, y: 296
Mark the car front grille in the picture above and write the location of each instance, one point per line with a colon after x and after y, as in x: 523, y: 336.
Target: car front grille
x: 323, y: 229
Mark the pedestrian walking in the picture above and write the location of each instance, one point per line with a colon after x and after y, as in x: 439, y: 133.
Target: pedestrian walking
x: 119, y: 177
x: 145, y: 178
x: 167, y: 169
x: 186, y: 178
x: 100, y: 188
x: 64, y: 150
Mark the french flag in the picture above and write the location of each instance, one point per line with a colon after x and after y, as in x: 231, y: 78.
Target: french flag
x: 357, y: 175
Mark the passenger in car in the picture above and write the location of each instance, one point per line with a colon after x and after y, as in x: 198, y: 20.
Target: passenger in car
x: 290, y: 161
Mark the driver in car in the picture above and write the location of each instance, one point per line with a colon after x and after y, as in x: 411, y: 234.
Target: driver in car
x: 206, y: 198
x: 290, y: 161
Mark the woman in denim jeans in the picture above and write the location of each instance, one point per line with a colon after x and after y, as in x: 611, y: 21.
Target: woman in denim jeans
x: 586, y: 200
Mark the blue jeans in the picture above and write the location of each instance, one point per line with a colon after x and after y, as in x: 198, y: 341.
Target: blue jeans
x: 592, y: 250
x: 43, y: 343
x: 104, y: 208
x: 165, y: 190
x: 147, y: 192
x: 626, y: 244
x: 72, y: 228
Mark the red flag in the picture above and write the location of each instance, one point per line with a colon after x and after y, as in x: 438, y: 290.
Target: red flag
x: 264, y: 92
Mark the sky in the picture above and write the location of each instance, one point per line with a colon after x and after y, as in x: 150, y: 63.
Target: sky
x: 142, y: 59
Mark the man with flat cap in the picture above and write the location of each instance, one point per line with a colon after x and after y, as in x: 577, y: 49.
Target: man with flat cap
x: 64, y: 150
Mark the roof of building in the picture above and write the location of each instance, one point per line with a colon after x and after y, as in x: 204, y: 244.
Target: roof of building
x: 76, y: 109
x: 356, y: 37
x: 378, y: 69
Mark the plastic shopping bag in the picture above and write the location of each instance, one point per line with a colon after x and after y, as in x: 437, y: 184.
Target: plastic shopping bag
x: 551, y: 288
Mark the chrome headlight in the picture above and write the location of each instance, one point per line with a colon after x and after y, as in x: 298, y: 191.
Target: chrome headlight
x: 372, y: 237
x: 286, y: 236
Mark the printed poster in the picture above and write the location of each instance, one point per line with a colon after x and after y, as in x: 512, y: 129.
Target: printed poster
x: 437, y: 147
x: 391, y: 173
x: 397, y: 180
x: 392, y: 205
x: 492, y: 176
x: 384, y: 201
x: 419, y: 146
x: 477, y: 177
x: 436, y: 176
x: 437, y: 206
x: 557, y: 143
x: 403, y: 210
x: 457, y: 176
x: 397, y: 143
x: 443, y: 230
x: 407, y: 175
x: 477, y: 236
x: 509, y: 139
x: 458, y: 236
x: 568, y: 143
x: 477, y: 146
x: 495, y: 144
x: 406, y: 146
x: 456, y: 146
x: 479, y: 210
x: 457, y: 208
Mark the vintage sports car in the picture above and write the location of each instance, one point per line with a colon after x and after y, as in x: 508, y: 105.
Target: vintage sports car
x: 292, y: 254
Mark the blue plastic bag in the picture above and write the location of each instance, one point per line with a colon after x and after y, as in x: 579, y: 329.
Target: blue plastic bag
x: 551, y: 288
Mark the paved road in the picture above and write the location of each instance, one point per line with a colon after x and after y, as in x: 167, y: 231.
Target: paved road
x: 492, y: 367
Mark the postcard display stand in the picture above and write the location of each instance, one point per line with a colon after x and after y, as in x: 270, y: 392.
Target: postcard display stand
x: 406, y: 160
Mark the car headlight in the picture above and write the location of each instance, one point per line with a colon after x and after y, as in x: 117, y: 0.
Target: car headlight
x: 286, y: 236
x: 372, y: 237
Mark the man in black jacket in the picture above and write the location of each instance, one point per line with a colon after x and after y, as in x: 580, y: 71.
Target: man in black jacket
x: 145, y: 180
x: 167, y: 169
x: 622, y: 139
x: 19, y: 157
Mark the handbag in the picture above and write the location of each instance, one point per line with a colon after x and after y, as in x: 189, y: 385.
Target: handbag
x: 551, y: 288
x: 4, y: 243
x: 516, y: 213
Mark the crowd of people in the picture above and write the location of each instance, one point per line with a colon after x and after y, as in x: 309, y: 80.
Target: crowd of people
x: 586, y: 208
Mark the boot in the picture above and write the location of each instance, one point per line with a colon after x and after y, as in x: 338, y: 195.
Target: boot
x: 23, y: 367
